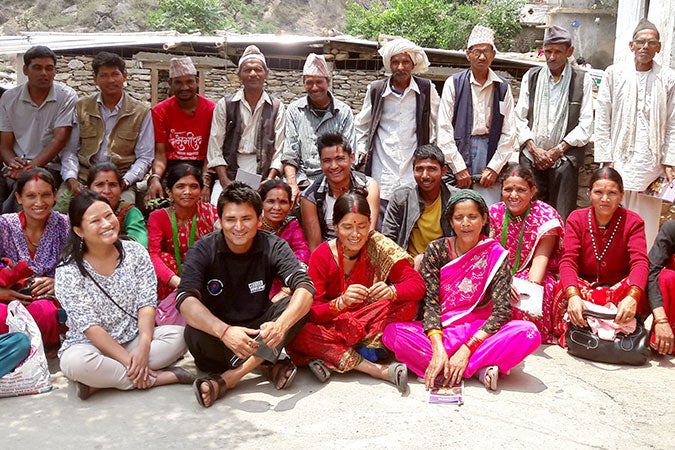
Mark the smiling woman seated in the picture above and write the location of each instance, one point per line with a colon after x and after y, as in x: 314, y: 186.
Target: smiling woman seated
x: 531, y: 231
x: 173, y: 230
x: 363, y: 281
x: 36, y: 235
x: 604, y: 257
x: 467, y: 327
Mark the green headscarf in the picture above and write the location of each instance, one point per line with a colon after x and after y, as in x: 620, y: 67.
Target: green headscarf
x: 469, y: 194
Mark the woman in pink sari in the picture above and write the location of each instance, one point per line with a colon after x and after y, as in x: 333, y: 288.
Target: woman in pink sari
x: 531, y: 231
x: 467, y: 310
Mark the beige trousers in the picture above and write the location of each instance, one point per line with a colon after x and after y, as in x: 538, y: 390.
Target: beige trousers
x: 86, y: 364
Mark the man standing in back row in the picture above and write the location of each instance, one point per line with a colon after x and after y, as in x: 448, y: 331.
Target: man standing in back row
x: 113, y: 126
x: 554, y: 117
x: 635, y: 124
x: 247, y: 131
x: 476, y: 122
x: 310, y: 117
x: 398, y: 115
x: 182, y: 127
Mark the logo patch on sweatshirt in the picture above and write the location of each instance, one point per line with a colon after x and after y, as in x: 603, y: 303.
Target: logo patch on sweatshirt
x: 215, y: 287
x: 256, y: 286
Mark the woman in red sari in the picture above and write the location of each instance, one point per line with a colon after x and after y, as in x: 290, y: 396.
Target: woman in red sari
x: 173, y: 230
x: 604, y: 258
x: 363, y: 282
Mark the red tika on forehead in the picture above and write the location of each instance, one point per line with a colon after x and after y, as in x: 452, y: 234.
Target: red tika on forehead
x: 280, y: 188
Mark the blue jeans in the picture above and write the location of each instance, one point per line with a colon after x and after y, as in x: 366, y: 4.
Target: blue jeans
x: 14, y: 348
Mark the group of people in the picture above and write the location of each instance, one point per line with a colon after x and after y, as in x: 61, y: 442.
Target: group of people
x: 393, y: 263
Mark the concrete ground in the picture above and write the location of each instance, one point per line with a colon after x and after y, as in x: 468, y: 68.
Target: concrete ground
x: 551, y: 400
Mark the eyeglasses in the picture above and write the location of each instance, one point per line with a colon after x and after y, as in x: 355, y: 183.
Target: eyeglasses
x: 652, y: 43
x: 477, y: 52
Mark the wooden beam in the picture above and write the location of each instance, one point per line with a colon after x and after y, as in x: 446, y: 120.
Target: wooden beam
x: 154, y: 81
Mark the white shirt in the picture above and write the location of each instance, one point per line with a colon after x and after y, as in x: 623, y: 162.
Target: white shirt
x: 481, y: 97
x: 643, y: 166
x: 579, y: 135
x: 250, y: 124
x: 396, y: 138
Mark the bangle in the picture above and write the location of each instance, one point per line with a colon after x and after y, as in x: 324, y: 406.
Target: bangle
x: 473, y: 343
x: 155, y: 175
x: 433, y: 332
x: 571, y: 292
x: 334, y: 305
x: 540, y: 283
x: 661, y: 320
x: 394, y: 294
x: 635, y: 292
x: 222, y: 335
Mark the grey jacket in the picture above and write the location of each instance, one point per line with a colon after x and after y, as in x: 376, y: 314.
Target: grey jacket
x: 404, y: 210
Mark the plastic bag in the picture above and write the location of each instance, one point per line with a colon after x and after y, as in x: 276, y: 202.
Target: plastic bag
x: 32, y: 375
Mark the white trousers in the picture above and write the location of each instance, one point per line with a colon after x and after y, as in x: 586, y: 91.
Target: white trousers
x: 86, y: 364
x: 649, y: 208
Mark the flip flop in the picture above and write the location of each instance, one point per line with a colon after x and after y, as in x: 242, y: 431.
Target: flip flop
x: 494, y: 376
x: 280, y: 369
x: 319, y: 369
x: 197, y: 388
x: 184, y: 377
x: 398, y: 376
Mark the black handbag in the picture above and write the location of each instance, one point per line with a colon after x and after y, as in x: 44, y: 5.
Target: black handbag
x: 631, y: 349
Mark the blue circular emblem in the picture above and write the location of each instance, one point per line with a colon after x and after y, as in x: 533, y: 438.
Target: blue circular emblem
x: 215, y: 287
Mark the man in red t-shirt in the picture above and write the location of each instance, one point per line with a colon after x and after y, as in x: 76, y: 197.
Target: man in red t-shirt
x: 182, y: 127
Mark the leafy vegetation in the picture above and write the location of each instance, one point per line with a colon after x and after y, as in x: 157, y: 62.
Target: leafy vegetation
x: 190, y: 16
x: 435, y: 23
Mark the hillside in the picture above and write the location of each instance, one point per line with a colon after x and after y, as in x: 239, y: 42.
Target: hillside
x: 316, y: 17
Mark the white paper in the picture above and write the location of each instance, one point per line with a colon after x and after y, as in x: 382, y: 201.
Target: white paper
x: 252, y: 179
x: 530, y: 296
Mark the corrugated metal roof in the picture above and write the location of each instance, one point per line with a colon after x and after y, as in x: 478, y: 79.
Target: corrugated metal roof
x: 282, y: 44
x: 72, y: 41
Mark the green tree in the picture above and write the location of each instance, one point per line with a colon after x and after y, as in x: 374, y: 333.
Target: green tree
x: 189, y: 16
x: 435, y: 23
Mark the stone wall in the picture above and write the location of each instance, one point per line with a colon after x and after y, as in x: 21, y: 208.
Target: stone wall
x: 348, y: 86
x: 77, y: 73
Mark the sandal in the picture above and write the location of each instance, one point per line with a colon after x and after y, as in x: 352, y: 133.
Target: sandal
x: 493, y: 373
x: 183, y: 376
x: 279, y: 370
x: 319, y: 369
x: 213, y: 378
x: 398, y: 376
